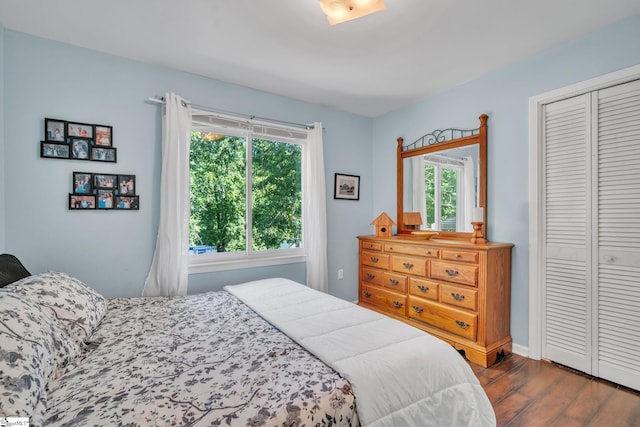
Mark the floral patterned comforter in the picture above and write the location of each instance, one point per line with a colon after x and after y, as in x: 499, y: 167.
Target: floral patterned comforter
x: 199, y: 360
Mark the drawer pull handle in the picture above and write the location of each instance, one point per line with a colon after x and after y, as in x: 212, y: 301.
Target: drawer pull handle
x: 428, y: 253
x: 367, y: 294
x: 397, y: 304
x: 457, y: 297
x: 423, y: 288
x: 417, y: 309
x: 370, y: 276
x: 374, y: 259
x: 407, y: 265
x: 461, y: 324
x: 452, y: 272
x: 456, y: 255
x: 394, y: 282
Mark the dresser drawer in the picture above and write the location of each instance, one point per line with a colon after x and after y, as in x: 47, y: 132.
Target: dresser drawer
x: 459, y: 296
x: 456, y: 273
x: 412, y: 250
x: 388, y: 301
x: 409, y: 265
x: 372, y: 275
x: 396, y: 282
x: 450, y: 319
x: 461, y: 256
x: 375, y: 259
x: 372, y: 246
x: 423, y: 288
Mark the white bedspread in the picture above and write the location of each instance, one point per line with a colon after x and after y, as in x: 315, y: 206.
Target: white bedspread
x: 401, y: 375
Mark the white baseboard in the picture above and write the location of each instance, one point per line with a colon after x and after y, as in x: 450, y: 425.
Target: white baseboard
x: 520, y: 350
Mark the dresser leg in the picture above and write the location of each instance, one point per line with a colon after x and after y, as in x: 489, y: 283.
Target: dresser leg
x: 484, y: 359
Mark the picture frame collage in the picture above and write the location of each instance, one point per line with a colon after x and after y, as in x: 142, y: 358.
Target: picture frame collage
x: 77, y: 141
x: 103, y: 191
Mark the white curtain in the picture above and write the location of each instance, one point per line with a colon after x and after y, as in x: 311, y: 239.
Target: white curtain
x: 169, y: 269
x: 419, y: 190
x: 315, y: 211
x: 468, y: 192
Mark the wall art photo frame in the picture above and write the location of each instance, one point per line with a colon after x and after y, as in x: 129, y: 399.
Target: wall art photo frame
x: 126, y: 185
x: 105, y: 198
x: 84, y: 141
x: 127, y: 202
x: 82, y: 130
x: 79, y: 148
x: 104, y: 154
x: 82, y: 202
x: 103, y: 191
x: 54, y: 130
x: 103, y: 136
x: 82, y: 183
x: 346, y: 187
x: 105, y: 181
x: 54, y: 150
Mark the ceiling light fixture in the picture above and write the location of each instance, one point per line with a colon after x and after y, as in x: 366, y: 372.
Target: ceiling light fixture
x: 210, y: 136
x: 339, y: 11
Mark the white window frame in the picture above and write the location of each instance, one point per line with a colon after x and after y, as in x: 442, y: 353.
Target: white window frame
x: 437, y: 176
x: 248, y: 129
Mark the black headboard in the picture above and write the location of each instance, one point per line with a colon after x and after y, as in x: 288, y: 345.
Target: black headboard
x: 11, y: 269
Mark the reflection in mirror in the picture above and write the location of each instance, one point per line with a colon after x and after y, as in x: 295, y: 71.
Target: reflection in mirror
x: 441, y: 189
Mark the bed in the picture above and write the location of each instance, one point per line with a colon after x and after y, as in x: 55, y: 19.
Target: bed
x: 266, y: 353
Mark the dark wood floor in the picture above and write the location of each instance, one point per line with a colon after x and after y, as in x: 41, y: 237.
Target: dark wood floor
x: 527, y: 392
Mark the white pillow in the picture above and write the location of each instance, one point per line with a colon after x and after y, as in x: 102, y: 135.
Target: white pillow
x: 33, y: 346
x: 76, y: 306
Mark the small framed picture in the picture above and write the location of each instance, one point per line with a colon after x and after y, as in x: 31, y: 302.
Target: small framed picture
x: 82, y: 130
x: 102, y: 154
x: 54, y: 150
x: 78, y: 201
x: 126, y: 185
x: 79, y: 148
x: 346, y: 187
x: 105, y: 198
x: 127, y: 202
x: 54, y: 130
x: 105, y: 181
x: 82, y: 183
x: 103, y: 136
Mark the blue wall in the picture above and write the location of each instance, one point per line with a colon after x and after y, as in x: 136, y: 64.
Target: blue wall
x: 112, y: 250
x: 504, y: 96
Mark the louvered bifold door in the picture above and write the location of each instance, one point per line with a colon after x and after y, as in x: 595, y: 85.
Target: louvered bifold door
x: 617, y: 354
x: 566, y: 273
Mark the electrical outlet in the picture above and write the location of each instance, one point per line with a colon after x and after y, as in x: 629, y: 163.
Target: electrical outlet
x: 340, y: 274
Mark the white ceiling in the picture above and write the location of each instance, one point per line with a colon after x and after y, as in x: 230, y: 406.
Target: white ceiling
x: 367, y: 66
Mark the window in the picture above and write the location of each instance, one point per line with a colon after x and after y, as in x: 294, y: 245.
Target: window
x: 246, y: 195
x: 442, y: 186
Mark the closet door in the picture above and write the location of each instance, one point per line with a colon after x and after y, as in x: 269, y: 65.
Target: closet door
x: 566, y: 297
x: 617, y: 255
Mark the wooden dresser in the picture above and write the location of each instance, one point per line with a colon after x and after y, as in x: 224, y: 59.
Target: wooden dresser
x: 458, y: 291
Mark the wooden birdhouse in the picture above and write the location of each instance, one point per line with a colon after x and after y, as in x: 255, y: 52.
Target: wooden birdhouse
x: 383, y: 224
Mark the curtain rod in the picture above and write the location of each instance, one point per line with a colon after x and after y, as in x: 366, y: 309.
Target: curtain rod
x: 160, y: 100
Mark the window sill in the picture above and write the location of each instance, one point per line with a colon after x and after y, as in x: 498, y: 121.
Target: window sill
x: 207, y: 264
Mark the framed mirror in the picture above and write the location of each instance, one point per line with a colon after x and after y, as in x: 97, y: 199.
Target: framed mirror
x: 442, y: 180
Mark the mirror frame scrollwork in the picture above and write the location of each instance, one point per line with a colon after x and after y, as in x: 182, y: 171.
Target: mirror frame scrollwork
x: 440, y: 140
